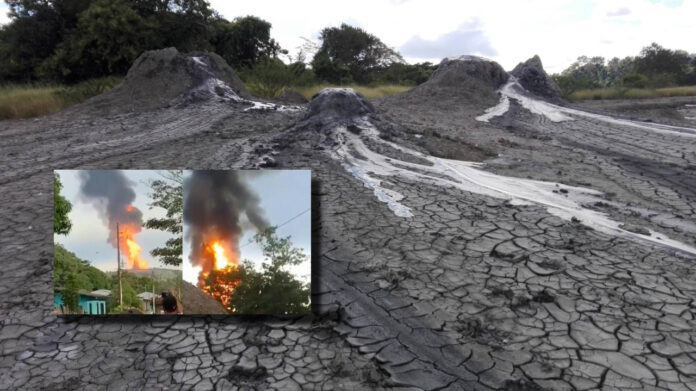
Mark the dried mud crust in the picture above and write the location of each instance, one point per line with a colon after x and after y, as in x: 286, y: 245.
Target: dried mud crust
x: 680, y: 111
x: 471, y: 293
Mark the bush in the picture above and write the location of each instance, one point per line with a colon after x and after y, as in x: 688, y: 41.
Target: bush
x: 571, y: 84
x: 87, y: 89
x: 635, y: 80
x: 268, y: 79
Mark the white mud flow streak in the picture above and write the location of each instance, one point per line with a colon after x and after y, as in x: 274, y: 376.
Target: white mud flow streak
x: 555, y: 113
x: 367, y: 165
x: 501, y: 108
x: 216, y: 87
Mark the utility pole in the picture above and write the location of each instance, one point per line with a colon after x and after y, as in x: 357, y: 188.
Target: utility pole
x: 153, y: 291
x: 118, y: 261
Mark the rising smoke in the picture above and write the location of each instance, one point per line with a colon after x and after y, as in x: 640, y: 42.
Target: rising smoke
x: 112, y: 195
x: 213, y: 204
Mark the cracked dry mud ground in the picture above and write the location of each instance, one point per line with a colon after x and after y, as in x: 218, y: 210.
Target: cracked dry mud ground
x: 472, y: 292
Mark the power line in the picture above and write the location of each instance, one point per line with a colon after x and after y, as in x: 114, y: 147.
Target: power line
x: 282, y: 224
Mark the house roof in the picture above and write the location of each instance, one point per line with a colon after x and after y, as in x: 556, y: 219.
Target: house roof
x: 147, y: 295
x: 102, y: 292
x: 99, y: 293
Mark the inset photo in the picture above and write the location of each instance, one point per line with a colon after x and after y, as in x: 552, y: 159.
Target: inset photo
x: 247, y: 242
x: 118, y: 242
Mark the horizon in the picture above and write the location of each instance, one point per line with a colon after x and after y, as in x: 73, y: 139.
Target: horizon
x: 560, y: 32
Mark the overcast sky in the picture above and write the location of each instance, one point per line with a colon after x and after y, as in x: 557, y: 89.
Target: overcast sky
x: 283, y: 195
x: 506, y: 31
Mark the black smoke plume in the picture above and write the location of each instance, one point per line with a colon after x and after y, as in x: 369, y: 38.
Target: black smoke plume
x: 112, y: 194
x: 213, y: 204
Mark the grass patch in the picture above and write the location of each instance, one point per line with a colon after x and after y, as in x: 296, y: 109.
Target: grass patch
x: 26, y: 101
x: 631, y: 93
x: 367, y: 91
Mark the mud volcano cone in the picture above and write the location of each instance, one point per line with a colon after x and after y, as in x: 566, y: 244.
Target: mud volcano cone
x: 463, y: 80
x: 533, y: 78
x: 161, y: 78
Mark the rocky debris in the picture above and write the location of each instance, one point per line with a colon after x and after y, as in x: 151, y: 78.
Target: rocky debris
x: 291, y: 97
x: 533, y: 78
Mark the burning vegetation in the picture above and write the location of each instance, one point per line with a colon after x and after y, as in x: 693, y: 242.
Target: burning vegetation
x: 213, y: 204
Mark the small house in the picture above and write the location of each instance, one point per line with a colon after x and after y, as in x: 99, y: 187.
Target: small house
x: 148, y: 302
x: 91, y: 303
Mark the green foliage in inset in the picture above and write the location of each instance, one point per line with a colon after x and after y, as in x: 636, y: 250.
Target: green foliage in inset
x: 61, y: 208
x: 67, y: 265
x: 168, y: 193
x: 71, y: 293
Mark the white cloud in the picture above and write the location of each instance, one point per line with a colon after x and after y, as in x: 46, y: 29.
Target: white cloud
x: 619, y: 12
x: 468, y: 38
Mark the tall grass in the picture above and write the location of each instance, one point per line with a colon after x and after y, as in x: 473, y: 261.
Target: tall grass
x: 26, y: 101
x: 369, y: 92
x: 631, y: 93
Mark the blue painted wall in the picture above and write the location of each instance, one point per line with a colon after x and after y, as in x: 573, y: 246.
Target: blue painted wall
x: 90, y: 305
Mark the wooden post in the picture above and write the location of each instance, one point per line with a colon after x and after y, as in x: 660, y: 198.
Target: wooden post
x: 118, y: 261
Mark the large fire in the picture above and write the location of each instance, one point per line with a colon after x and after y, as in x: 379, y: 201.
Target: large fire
x: 130, y: 248
x: 221, y: 280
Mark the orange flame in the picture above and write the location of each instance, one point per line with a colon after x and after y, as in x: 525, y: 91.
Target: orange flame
x: 129, y: 246
x: 218, y: 282
x: 221, y: 260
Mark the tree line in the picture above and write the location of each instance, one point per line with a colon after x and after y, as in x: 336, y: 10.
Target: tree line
x: 654, y: 67
x: 69, y: 41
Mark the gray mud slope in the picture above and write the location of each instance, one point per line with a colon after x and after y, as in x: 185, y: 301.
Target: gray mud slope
x: 472, y: 292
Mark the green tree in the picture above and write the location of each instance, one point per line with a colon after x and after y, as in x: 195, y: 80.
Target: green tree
x: 655, y: 60
x: 67, y: 265
x: 635, y: 80
x: 184, y: 24
x: 353, y: 51
x: 167, y: 193
x: 109, y: 35
x: 273, y: 290
x: 243, y: 42
x: 61, y: 208
x: 35, y: 29
x: 71, y: 293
